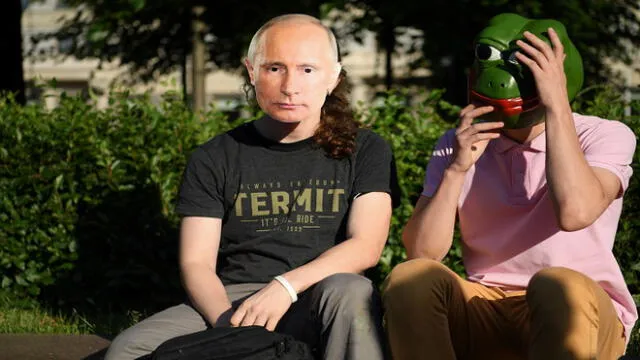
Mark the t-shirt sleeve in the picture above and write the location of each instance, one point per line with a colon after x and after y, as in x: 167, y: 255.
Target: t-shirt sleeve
x: 202, y: 189
x: 611, y: 146
x: 440, y: 159
x: 376, y: 169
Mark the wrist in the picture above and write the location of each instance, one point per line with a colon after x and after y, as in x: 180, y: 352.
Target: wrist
x: 287, y: 286
x: 558, y: 111
x: 223, y: 319
x: 453, y: 171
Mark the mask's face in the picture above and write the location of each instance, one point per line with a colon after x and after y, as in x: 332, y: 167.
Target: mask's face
x: 295, y: 68
x: 499, y: 80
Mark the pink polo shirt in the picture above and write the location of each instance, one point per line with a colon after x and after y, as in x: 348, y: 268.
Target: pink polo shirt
x: 507, y: 220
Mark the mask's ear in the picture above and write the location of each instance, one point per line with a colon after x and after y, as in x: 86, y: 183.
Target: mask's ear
x: 250, y: 70
x: 335, y: 78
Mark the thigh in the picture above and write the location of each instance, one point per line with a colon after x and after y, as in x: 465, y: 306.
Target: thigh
x: 488, y: 323
x: 237, y: 293
x: 611, y: 339
x: 340, y: 295
x: 145, y: 336
x: 569, y: 310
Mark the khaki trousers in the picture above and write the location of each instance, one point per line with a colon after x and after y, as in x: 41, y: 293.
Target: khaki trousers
x: 432, y: 313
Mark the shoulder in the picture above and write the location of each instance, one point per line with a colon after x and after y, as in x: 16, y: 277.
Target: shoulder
x: 593, y: 129
x: 368, y: 136
x: 221, y: 146
x: 448, y: 135
x: 444, y: 145
x: 226, y: 142
x: 367, y: 140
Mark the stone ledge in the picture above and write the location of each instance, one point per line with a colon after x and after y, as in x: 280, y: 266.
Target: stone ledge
x: 52, y: 347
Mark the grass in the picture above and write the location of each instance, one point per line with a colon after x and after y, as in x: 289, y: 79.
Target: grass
x: 16, y: 318
x: 39, y: 321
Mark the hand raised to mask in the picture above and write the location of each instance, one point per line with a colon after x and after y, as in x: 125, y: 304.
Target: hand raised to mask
x: 547, y: 66
x: 472, y: 139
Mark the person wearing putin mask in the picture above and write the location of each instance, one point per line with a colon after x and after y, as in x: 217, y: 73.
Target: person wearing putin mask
x: 282, y: 215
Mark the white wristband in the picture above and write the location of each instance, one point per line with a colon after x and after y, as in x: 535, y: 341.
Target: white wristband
x: 288, y: 287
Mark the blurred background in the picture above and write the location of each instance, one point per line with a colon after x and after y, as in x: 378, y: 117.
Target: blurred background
x: 196, y: 46
x: 104, y: 100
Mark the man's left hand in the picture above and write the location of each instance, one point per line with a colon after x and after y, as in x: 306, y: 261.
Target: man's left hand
x: 264, y: 308
x: 547, y: 66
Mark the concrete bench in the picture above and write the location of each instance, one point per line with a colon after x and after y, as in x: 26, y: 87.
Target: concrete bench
x: 52, y: 347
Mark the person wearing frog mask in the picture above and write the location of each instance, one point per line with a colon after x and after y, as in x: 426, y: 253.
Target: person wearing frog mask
x: 537, y: 191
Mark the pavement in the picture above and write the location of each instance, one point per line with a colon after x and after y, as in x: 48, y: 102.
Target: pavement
x: 67, y: 347
x: 52, y: 347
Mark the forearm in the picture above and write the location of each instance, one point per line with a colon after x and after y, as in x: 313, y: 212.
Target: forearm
x: 576, y: 192
x: 205, y: 290
x: 429, y: 231
x: 350, y: 256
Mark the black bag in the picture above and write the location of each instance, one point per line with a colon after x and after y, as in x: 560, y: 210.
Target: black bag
x: 232, y: 343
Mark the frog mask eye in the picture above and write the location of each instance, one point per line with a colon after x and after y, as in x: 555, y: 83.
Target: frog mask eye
x: 486, y: 52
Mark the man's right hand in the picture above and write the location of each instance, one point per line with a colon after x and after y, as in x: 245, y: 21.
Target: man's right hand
x: 472, y: 139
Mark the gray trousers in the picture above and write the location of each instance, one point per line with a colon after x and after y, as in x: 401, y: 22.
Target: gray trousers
x: 340, y: 317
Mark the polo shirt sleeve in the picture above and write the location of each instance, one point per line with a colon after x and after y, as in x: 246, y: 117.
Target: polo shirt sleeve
x: 438, y: 163
x: 611, y: 146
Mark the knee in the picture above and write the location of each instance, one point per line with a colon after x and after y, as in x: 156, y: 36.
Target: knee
x: 558, y: 283
x: 414, y: 280
x: 125, y: 346
x: 349, y: 290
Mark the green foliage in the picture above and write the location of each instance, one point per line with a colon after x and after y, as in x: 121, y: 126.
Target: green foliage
x: 412, y: 129
x: 86, y: 198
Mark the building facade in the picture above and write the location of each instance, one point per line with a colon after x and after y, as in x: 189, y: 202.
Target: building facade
x: 43, y: 62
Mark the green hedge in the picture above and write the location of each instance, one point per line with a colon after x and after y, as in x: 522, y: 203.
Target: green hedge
x: 87, y: 196
x: 86, y: 199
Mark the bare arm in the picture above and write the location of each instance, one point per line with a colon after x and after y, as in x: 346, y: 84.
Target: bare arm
x: 199, y: 243
x: 367, y: 231
x: 429, y: 231
x: 580, y: 193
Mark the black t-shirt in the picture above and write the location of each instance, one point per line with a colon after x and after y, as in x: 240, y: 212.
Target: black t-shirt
x: 282, y: 205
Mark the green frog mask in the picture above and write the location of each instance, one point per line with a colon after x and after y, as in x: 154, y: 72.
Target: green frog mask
x: 499, y: 80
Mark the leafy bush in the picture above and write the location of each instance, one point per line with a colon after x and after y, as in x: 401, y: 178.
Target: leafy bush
x: 86, y: 199
x: 412, y: 129
x: 87, y: 196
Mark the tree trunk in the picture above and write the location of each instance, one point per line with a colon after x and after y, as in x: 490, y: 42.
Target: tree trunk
x: 389, y: 45
x: 198, y: 59
x: 12, y: 79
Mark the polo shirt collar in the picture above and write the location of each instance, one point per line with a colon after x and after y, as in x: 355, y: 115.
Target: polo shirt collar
x: 504, y: 144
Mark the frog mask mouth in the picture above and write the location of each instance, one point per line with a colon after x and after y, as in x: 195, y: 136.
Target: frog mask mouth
x: 498, y: 79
